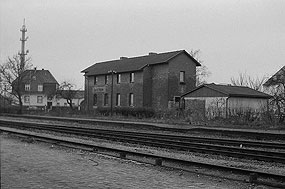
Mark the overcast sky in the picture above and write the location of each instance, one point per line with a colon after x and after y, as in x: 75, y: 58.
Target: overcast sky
x: 68, y: 36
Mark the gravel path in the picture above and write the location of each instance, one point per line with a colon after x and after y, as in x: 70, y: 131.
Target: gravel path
x: 40, y: 165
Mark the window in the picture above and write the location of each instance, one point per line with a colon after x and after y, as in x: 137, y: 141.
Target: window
x: 106, y: 99
x: 118, y: 78
x: 26, y: 99
x: 132, y: 77
x: 176, y: 98
x: 131, y: 99
x: 118, y: 99
x: 182, y: 77
x: 40, y: 88
x: 58, y: 104
x: 65, y: 104
x: 106, y: 79
x: 27, y: 87
x: 95, y: 100
x: 39, y: 99
x: 95, y: 80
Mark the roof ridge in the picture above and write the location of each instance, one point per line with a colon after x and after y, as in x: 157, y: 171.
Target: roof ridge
x: 134, y: 63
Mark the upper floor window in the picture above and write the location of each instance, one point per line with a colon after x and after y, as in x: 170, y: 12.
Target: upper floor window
x: 27, y: 87
x: 39, y: 99
x: 132, y: 77
x: 40, y: 88
x: 182, y: 77
x: 131, y: 99
x: 95, y: 80
x: 118, y: 99
x: 118, y: 78
x: 26, y: 99
x: 106, y: 79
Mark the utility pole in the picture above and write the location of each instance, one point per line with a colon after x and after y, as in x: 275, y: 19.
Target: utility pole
x: 23, y: 53
x: 112, y: 88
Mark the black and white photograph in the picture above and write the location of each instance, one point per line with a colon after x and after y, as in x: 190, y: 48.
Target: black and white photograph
x: 144, y: 94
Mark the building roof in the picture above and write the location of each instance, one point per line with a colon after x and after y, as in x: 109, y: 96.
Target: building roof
x: 233, y: 91
x: 278, y: 77
x: 41, y: 76
x: 125, y: 64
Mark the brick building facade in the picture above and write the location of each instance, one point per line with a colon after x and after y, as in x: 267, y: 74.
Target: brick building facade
x: 152, y: 81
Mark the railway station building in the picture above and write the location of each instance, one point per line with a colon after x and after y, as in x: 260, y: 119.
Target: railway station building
x: 155, y: 80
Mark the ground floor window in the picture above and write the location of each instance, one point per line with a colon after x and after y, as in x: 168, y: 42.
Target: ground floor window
x: 118, y: 99
x: 26, y: 99
x: 95, y: 100
x: 131, y: 99
x: 106, y: 98
x: 39, y: 99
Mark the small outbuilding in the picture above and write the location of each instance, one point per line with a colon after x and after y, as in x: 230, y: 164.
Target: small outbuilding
x: 213, y: 100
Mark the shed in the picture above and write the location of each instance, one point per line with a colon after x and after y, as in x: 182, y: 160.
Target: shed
x: 215, y: 100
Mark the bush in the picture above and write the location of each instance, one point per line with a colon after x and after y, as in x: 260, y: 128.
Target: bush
x: 127, y: 111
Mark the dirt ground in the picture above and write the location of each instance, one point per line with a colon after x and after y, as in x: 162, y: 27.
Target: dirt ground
x: 25, y: 164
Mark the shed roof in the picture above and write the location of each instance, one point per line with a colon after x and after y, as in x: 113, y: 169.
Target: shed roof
x: 232, y: 91
x: 134, y: 63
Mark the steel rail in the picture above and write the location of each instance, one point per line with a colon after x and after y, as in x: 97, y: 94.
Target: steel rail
x: 258, y: 177
x: 256, y: 135
x: 164, y: 142
x: 244, y: 143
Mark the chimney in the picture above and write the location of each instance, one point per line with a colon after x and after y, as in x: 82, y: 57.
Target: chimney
x: 123, y: 57
x: 152, y: 53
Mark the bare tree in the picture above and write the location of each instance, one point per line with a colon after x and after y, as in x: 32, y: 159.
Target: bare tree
x: 202, y: 72
x: 246, y: 80
x: 276, y: 87
x: 12, y: 75
x: 66, y: 91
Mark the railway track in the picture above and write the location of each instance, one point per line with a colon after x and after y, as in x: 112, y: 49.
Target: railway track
x: 194, y: 144
x: 253, y: 176
x: 203, y: 130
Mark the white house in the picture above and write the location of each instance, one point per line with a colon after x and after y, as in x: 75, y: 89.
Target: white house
x: 214, y: 100
x: 39, y: 87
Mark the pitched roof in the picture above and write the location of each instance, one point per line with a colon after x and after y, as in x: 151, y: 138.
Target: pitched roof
x: 233, y: 91
x: 133, y: 63
x: 42, y: 76
x: 278, y: 77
